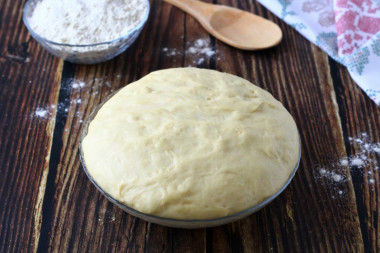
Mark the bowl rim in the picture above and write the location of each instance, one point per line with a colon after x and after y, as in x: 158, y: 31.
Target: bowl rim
x: 181, y: 223
x: 35, y: 34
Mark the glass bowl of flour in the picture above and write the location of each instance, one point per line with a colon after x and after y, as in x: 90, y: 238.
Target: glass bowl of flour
x: 86, y: 32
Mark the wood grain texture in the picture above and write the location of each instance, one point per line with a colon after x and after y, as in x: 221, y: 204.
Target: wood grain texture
x: 361, y: 120
x: 29, y: 81
x: 51, y: 206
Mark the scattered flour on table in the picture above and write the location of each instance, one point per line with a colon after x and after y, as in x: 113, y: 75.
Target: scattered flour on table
x: 199, y: 49
x: 78, y: 84
x: 41, y: 113
x: 170, y: 51
x: 76, y: 88
x: 201, y: 46
x: 332, y: 175
x: 336, y: 171
x: 365, y: 148
x: 106, y: 217
x: 86, y: 22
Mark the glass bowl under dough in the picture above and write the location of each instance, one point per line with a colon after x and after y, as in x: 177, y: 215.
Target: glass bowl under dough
x: 86, y: 53
x: 178, y: 223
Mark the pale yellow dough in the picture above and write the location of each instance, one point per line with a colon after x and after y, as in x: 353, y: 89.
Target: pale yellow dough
x: 190, y: 143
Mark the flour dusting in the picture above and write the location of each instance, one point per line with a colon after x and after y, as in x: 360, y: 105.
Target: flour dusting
x: 364, y: 148
x: 78, y: 84
x: 75, y: 87
x: 357, y: 162
x: 201, y: 46
x: 332, y: 175
x: 362, y: 162
x: 106, y: 217
x: 41, y: 113
x: 343, y: 162
x: 199, y: 49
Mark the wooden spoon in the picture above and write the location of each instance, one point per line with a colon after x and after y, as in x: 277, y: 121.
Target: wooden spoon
x: 235, y: 27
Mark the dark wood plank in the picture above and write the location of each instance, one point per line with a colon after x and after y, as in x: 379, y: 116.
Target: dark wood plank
x: 29, y: 81
x: 361, y: 127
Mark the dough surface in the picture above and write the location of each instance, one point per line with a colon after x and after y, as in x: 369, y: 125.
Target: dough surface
x: 190, y: 143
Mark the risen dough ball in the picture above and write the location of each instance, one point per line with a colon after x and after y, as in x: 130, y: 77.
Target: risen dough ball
x: 190, y: 143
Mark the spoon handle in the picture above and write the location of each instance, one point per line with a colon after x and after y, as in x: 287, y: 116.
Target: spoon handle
x: 197, y: 9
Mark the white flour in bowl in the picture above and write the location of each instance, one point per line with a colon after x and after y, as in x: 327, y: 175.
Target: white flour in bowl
x: 86, y: 22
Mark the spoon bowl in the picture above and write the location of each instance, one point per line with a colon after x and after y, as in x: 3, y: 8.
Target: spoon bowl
x: 235, y: 27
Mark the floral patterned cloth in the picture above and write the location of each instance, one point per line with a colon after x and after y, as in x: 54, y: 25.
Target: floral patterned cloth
x: 347, y: 30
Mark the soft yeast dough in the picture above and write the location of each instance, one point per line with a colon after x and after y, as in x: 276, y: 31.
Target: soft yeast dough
x: 190, y: 143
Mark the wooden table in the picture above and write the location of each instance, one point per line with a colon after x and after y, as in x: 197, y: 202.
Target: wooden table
x: 48, y: 204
